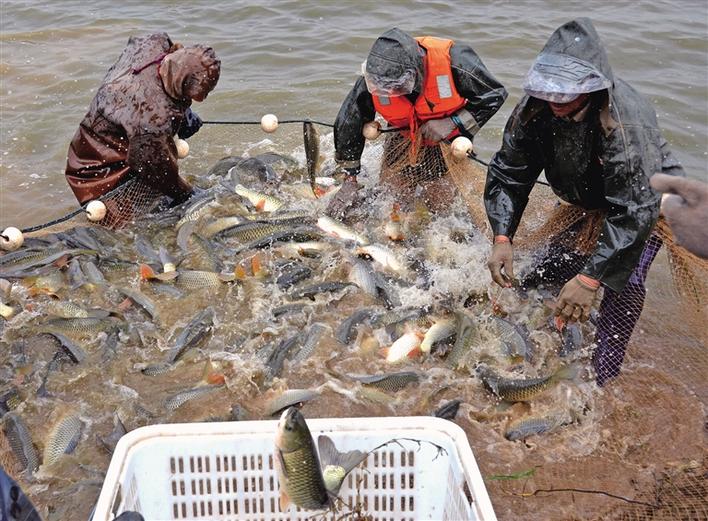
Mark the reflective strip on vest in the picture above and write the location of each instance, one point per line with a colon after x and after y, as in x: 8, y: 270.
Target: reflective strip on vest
x: 444, y: 87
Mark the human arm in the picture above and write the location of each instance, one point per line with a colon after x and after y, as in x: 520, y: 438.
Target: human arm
x: 484, y: 94
x: 153, y: 157
x: 356, y: 110
x: 190, y: 125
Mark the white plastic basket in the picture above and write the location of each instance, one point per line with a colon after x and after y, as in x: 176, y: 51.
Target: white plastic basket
x: 224, y: 471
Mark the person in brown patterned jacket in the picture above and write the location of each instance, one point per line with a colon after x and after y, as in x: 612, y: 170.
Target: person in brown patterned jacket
x: 143, y: 101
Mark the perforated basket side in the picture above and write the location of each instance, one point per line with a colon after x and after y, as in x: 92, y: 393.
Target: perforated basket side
x: 225, y: 471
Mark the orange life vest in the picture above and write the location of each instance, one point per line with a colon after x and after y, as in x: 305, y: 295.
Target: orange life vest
x: 439, y: 97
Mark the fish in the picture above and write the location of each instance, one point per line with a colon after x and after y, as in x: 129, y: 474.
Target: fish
x: 141, y: 300
x: 110, y: 441
x: 250, y: 231
x: 216, y: 226
x: 292, y: 274
x: 169, y: 263
x: 441, y: 329
x: 312, y: 339
x: 195, y: 211
x: 294, y: 234
x: 336, y: 465
x: 93, y: 274
x: 466, y: 336
x: 300, y: 478
x: 177, y: 400
x: 6, y: 312
x: 391, y: 382
x: 110, y: 346
x: 385, y: 257
x: 523, y: 389
x: 394, y: 228
x: 288, y: 309
x: 22, y: 269
x: 340, y: 230
x: 407, y: 346
x: 79, y: 327
x: 158, y: 368
x: 311, y: 137
x: 537, y: 424
x: 571, y: 339
x: 289, y: 398
x: 513, y: 337
x: 75, y: 275
x: 20, y: 439
x: 315, y: 289
x: 67, y: 309
x: 74, y: 352
x: 63, y: 437
x: 262, y: 202
x: 276, y: 353
x: 9, y: 400
x: 146, y: 250
x: 448, y: 411
x: 188, y: 279
x: 347, y: 330
x: 362, y: 274
x: 199, y: 328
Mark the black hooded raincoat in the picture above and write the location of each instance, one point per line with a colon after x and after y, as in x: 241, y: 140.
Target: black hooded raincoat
x: 484, y: 94
x: 606, y: 167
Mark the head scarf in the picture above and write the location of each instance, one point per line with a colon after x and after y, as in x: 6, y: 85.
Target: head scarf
x: 195, y: 63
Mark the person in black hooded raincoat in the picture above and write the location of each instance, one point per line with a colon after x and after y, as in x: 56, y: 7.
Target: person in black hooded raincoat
x: 435, y: 85
x: 598, y: 141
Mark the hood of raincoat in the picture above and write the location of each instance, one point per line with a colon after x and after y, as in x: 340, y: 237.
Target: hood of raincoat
x: 572, y: 62
x: 393, y: 54
x: 190, y: 72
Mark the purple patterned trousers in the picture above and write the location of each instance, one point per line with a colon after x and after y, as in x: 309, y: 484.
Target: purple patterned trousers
x: 619, y: 311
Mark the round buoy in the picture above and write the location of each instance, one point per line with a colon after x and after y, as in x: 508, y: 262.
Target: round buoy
x: 95, y: 210
x: 11, y: 239
x: 182, y: 148
x: 269, y: 123
x: 461, y: 147
x: 372, y: 130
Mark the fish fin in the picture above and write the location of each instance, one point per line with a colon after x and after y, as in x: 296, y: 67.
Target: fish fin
x: 146, y: 272
x: 283, y: 500
x: 329, y: 455
x: 415, y: 352
x: 260, y: 205
x: 256, y: 265
x: 384, y: 351
x: 239, y: 272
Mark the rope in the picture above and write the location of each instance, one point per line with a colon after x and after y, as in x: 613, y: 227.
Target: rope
x: 284, y: 121
x: 230, y: 122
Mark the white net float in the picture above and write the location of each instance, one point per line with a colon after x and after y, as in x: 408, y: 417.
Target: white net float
x: 95, y: 210
x: 11, y: 238
x: 461, y: 147
x: 269, y: 123
x: 182, y: 148
x: 371, y: 130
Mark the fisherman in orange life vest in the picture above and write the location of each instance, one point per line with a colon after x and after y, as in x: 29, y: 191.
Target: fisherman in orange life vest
x: 432, y: 85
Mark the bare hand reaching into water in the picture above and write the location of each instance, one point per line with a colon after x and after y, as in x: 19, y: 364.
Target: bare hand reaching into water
x: 502, y: 257
x: 686, y: 209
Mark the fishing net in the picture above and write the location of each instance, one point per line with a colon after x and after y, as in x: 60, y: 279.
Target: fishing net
x: 128, y: 202
x: 649, y: 359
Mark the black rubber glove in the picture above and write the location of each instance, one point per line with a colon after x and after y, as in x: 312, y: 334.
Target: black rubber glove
x: 190, y: 125
x: 345, y: 197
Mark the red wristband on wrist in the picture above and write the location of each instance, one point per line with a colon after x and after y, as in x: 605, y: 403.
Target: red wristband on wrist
x: 589, y: 281
x: 501, y: 238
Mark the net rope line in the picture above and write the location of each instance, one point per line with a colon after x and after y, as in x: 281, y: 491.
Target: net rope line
x: 121, y: 187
